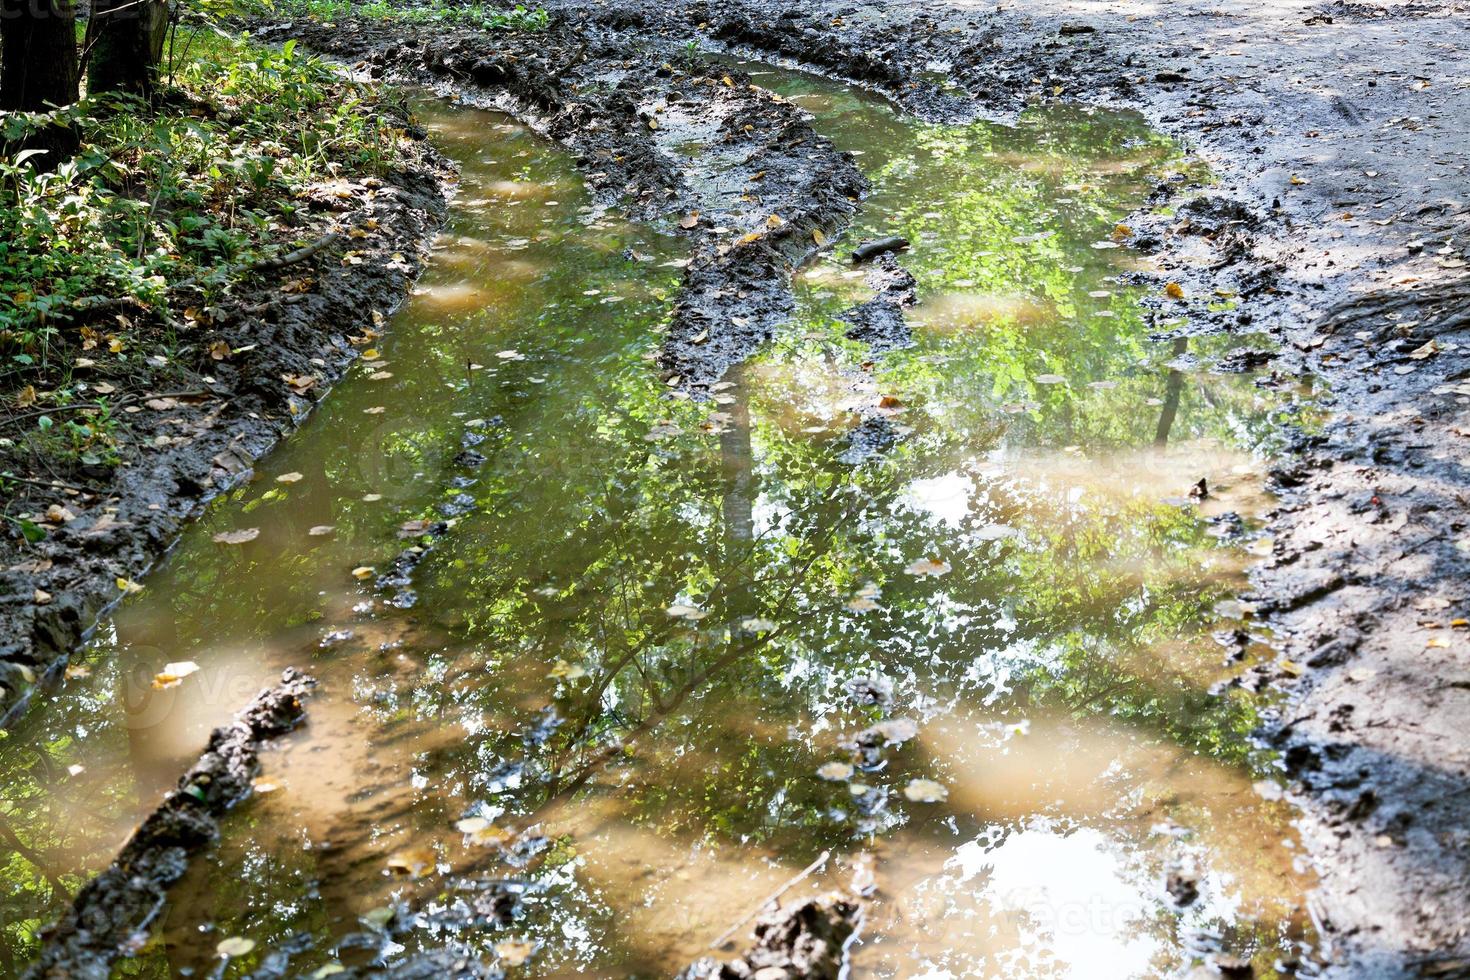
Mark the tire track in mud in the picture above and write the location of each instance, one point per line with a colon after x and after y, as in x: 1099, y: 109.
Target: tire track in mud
x: 737, y: 170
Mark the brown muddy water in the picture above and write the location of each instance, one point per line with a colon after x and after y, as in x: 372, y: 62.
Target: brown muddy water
x: 615, y: 707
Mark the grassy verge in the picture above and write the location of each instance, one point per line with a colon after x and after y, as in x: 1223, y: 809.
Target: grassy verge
x: 111, y: 263
x: 466, y: 14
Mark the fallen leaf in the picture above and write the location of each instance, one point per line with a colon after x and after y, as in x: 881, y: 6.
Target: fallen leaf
x: 897, y: 730
x: 514, y: 952
x: 413, y: 529
x: 925, y: 791
x: 292, y: 477
x: 818, y: 237
x: 129, y: 586
x: 567, y: 671
x: 414, y: 861
x: 689, y: 220
x: 379, y: 917
x: 836, y: 771
x: 219, y: 350
x: 234, y: 946
x: 363, y: 572
x: 237, y: 537
x: 1174, y: 291
x: 321, y: 530
x: 925, y: 567
x: 173, y: 674
x: 26, y: 398
x: 40, y: 597
x: 58, y: 514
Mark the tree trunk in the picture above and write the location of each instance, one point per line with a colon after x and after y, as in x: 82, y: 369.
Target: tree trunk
x: 38, y: 68
x: 127, y: 44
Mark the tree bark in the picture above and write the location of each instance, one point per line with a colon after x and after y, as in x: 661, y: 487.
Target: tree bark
x: 127, y: 44
x: 38, y: 68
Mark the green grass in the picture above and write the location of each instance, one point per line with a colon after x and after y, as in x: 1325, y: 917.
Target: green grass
x: 430, y: 12
x: 209, y: 179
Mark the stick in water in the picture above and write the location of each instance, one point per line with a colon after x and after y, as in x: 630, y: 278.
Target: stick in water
x: 821, y: 860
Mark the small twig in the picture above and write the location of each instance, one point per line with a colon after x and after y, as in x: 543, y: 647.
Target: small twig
x: 300, y: 255
x: 821, y: 860
x: 98, y: 406
x: 55, y: 485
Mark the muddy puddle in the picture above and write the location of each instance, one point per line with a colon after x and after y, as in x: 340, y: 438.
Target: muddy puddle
x: 951, y: 614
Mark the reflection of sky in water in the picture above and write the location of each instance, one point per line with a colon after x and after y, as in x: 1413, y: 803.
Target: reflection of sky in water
x: 1057, y: 671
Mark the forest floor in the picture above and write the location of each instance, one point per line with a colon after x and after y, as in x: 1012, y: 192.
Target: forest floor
x: 1337, y: 133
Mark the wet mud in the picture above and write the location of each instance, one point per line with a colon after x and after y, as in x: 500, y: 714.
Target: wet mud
x: 1362, y: 584
x: 740, y: 173
x: 293, y: 345
x: 113, y: 911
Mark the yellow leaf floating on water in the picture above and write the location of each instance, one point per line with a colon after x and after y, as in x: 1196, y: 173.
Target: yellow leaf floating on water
x: 514, y: 952
x: 363, y: 572
x: 173, y: 674
x: 925, y: 567
x: 567, y: 671
x: 292, y: 477
x: 1174, y: 291
x: 897, y: 730
x: 237, y: 537
x: 129, y: 586
x: 925, y: 791
x: 414, y: 861
x: 835, y: 771
x: 234, y: 946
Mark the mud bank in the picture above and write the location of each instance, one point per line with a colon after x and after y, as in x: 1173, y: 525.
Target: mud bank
x: 737, y: 170
x: 295, y: 325
x: 1337, y: 131
x: 121, y: 902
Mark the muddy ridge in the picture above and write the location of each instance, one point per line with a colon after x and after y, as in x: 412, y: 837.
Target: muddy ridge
x: 736, y: 169
x: 118, y: 904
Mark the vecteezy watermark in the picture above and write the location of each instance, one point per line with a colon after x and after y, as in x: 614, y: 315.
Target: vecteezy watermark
x: 152, y: 697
